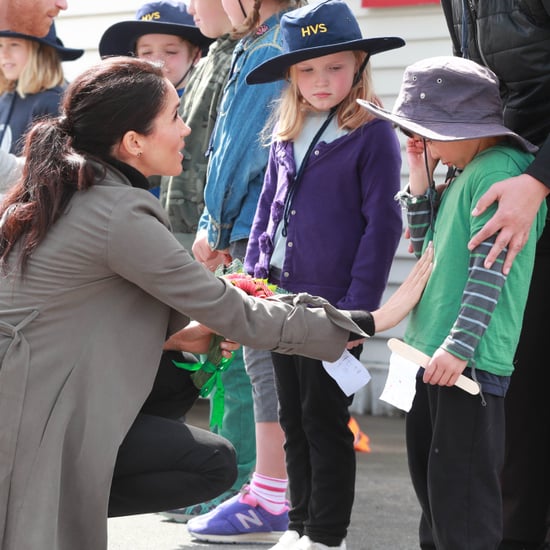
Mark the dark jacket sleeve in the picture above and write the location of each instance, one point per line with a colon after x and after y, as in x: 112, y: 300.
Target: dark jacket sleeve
x: 540, y: 167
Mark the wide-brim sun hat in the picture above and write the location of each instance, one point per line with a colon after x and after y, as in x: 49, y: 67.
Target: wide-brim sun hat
x: 449, y: 98
x: 320, y: 28
x: 51, y: 39
x: 164, y: 17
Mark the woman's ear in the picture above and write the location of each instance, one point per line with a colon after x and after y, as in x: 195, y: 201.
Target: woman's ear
x: 131, y: 144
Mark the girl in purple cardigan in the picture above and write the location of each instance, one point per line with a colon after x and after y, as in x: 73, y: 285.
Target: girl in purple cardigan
x: 326, y: 223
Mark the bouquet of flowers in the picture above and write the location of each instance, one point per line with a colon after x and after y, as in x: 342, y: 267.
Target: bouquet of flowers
x: 207, y: 375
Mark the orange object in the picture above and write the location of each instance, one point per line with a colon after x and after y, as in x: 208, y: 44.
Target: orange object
x: 361, y: 441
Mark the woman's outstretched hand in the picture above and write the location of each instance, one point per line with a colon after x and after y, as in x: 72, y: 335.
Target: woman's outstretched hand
x: 407, y: 295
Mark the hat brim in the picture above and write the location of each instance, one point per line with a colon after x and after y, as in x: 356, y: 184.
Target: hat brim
x: 441, y: 131
x: 121, y: 38
x: 66, y: 54
x: 276, y: 68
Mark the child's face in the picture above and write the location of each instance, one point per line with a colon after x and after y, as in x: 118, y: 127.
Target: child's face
x: 14, y: 53
x: 454, y: 153
x: 175, y: 54
x: 325, y: 81
x: 210, y: 17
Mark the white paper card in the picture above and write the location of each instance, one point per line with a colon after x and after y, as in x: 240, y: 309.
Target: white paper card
x: 400, y: 387
x: 350, y: 374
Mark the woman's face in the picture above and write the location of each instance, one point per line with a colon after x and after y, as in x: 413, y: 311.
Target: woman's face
x: 174, y: 53
x: 161, y: 149
x: 14, y: 53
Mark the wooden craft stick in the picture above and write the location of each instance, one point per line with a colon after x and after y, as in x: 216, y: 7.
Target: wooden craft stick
x: 421, y: 359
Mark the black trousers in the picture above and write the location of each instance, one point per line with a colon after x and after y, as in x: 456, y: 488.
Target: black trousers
x: 526, y: 473
x: 320, y: 458
x: 163, y: 463
x: 455, y: 448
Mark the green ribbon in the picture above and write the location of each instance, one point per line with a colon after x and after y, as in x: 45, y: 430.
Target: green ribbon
x: 207, y: 375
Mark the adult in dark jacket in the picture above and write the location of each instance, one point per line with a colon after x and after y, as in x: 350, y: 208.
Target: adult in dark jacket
x: 512, y: 37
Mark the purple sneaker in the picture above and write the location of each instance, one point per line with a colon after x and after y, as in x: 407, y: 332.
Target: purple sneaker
x: 239, y: 519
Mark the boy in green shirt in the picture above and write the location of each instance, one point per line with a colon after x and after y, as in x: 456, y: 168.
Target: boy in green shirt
x: 469, y: 317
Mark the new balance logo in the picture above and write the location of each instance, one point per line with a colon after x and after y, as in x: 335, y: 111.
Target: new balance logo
x: 249, y: 519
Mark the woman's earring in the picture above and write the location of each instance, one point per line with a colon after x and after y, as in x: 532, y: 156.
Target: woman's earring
x: 139, y: 154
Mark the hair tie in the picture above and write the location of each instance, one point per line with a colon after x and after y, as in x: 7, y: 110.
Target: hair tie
x: 64, y: 124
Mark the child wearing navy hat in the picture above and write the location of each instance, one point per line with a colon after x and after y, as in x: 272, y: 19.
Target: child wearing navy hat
x: 31, y: 82
x: 325, y: 223
x: 162, y: 31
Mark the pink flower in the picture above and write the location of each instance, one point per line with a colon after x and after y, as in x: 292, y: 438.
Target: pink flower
x: 252, y: 286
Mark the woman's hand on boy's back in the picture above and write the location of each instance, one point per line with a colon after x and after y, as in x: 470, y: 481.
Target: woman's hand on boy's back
x: 519, y: 199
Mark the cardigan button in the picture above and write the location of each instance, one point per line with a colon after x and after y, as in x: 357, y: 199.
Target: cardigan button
x: 290, y: 244
x: 286, y: 274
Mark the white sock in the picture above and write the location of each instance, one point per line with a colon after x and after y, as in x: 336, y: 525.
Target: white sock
x: 270, y: 492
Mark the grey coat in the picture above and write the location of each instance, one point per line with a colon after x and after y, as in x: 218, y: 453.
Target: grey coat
x: 10, y: 169
x: 80, y: 340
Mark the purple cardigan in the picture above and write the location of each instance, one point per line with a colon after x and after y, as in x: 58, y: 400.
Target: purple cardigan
x: 344, y: 226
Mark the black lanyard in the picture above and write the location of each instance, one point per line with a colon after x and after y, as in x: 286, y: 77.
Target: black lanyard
x: 293, y: 186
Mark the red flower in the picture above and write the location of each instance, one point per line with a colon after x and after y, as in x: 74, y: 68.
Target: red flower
x: 259, y: 288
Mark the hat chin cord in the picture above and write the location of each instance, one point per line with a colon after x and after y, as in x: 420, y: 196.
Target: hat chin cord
x: 360, y: 71
x: 182, y: 79
x: 242, y: 9
x: 432, y: 193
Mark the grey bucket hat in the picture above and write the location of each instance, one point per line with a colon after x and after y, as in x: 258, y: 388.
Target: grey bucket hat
x: 449, y: 98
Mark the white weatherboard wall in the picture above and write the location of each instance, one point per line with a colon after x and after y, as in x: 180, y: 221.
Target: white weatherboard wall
x: 424, y: 30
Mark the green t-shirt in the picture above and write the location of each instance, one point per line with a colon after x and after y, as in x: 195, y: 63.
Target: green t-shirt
x: 435, y: 315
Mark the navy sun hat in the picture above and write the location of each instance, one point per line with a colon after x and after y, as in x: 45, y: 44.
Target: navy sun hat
x: 319, y: 28
x: 51, y: 39
x: 448, y: 98
x: 163, y: 17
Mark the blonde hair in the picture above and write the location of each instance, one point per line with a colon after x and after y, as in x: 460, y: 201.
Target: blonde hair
x: 42, y: 71
x: 250, y: 24
x: 292, y: 110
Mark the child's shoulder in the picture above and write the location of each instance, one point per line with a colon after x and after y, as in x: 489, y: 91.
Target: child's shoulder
x: 377, y: 131
x: 44, y: 102
x: 505, y: 157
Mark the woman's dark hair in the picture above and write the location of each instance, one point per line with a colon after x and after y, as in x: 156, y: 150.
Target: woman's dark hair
x: 102, y: 104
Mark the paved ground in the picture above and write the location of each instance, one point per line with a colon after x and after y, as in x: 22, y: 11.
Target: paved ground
x: 385, y: 514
